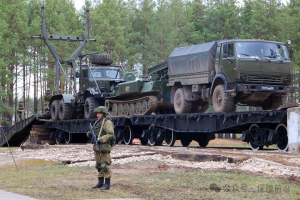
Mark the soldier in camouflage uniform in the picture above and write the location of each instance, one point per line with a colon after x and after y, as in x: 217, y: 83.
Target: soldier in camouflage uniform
x: 107, y: 136
x: 21, y: 111
x: 47, y: 99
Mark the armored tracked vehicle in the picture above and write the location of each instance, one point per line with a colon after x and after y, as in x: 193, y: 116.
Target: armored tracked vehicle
x: 142, y: 97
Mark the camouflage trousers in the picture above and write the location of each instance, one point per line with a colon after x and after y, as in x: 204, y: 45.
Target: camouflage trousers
x: 103, y: 161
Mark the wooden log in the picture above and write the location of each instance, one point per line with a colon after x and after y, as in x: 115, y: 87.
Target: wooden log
x: 114, y: 157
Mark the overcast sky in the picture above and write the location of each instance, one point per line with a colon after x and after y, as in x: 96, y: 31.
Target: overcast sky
x: 78, y: 4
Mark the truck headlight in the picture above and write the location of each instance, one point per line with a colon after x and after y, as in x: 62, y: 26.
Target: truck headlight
x: 286, y: 79
x: 243, y: 77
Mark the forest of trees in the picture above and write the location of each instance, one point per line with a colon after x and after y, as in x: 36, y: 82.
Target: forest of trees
x: 138, y: 33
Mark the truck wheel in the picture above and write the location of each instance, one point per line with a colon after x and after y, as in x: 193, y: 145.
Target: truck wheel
x: 65, y: 111
x: 89, y: 106
x: 222, y: 102
x: 54, y: 110
x: 272, y: 103
x: 101, y: 59
x: 180, y: 104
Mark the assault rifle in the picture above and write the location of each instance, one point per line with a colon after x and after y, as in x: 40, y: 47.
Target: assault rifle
x: 94, y: 139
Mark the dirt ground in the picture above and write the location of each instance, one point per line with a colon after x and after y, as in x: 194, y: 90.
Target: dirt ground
x: 239, y: 157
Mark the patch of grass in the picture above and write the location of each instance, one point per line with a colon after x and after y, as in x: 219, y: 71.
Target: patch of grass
x: 58, y: 181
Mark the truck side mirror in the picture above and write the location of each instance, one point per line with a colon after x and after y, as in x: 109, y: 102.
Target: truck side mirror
x: 77, y: 74
x: 225, y: 50
x: 291, y: 52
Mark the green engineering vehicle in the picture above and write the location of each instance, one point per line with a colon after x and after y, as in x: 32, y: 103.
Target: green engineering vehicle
x: 220, y: 73
x: 95, y: 79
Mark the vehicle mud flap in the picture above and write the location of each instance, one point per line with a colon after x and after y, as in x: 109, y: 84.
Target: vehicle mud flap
x: 246, y: 135
x: 273, y: 137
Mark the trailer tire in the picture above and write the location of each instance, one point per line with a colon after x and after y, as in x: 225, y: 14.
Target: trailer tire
x: 101, y: 59
x: 170, y: 138
x: 128, y: 135
x: 253, y: 146
x: 221, y: 101
x: 54, y: 110
x: 65, y: 111
x: 272, y: 103
x: 283, y: 140
x: 203, y: 140
x: 181, y: 105
x: 185, y: 142
x: 89, y: 106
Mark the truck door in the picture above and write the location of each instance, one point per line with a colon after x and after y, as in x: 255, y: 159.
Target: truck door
x: 217, y: 61
x: 228, y: 61
x: 84, y: 80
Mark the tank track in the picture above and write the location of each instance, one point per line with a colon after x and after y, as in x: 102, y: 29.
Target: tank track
x: 141, y: 106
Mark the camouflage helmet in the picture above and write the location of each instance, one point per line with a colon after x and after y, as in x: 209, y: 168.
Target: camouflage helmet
x: 101, y: 109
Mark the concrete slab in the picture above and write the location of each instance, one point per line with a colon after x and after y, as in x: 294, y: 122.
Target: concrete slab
x: 293, y: 128
x: 4, y: 195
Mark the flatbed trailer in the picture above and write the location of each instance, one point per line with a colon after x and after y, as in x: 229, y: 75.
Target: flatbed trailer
x: 259, y: 128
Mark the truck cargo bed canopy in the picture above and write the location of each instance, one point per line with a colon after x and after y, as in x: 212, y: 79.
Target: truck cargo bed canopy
x: 193, y: 59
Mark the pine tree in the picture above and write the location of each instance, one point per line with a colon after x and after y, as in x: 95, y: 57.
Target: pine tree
x: 108, y: 29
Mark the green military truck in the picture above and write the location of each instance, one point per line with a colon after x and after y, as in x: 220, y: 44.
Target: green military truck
x: 229, y: 72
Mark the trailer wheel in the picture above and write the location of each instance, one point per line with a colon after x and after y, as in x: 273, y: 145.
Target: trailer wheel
x: 283, y: 141
x: 65, y: 111
x: 101, y: 59
x: 185, y: 142
x: 180, y: 104
x: 89, y: 106
x: 170, y: 138
x: 272, y: 103
x: 254, y: 147
x: 204, y: 140
x: 128, y: 137
x: 68, y: 138
x: 54, y: 110
x: 153, y: 141
x: 221, y: 101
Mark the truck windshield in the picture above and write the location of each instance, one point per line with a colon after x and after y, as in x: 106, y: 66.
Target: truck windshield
x: 102, y: 73
x: 261, y: 50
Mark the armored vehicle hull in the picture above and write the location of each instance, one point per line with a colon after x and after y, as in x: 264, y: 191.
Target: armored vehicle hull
x: 141, y: 97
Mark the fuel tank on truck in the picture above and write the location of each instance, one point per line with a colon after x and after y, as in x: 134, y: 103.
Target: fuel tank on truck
x: 141, y: 97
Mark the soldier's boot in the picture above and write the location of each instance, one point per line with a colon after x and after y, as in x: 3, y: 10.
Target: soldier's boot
x: 100, y: 183
x: 106, y: 186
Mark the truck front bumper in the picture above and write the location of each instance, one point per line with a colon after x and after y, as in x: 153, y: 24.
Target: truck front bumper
x: 244, y: 87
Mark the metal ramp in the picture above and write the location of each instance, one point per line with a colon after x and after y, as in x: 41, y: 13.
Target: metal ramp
x: 19, y: 132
